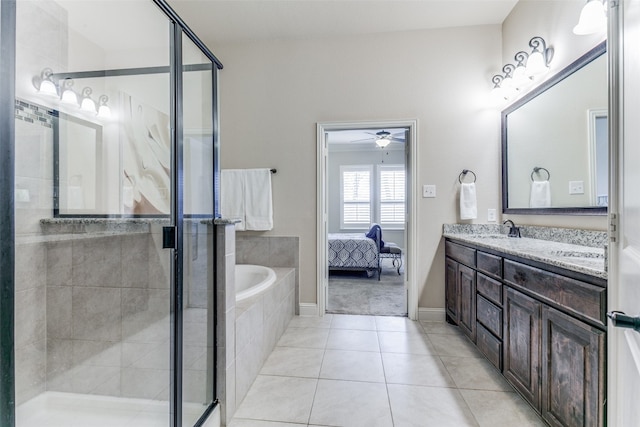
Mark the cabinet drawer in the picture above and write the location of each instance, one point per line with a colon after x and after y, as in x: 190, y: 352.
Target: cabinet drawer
x: 492, y: 289
x: 580, y: 298
x: 489, y: 264
x: 461, y: 253
x: 489, y: 315
x: 489, y: 345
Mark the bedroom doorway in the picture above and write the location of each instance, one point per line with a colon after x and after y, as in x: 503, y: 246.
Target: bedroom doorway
x: 365, y: 179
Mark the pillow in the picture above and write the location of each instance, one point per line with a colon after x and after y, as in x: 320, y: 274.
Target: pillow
x: 374, y: 232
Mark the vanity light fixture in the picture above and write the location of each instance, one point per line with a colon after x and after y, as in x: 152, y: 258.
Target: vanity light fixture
x: 88, y: 104
x: 104, y: 112
x: 539, y: 58
x: 520, y: 77
x: 47, y: 86
x: 68, y: 97
x: 593, y: 18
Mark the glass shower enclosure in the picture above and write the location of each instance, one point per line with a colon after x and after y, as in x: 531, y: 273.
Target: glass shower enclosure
x: 109, y: 174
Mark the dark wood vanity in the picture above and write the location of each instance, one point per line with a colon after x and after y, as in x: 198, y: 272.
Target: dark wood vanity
x: 542, y: 326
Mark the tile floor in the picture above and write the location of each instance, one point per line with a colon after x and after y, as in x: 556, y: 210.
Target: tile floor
x: 369, y: 371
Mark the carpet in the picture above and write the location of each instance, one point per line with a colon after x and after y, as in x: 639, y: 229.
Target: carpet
x: 352, y: 292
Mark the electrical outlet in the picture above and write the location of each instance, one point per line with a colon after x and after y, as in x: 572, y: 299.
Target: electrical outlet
x: 429, y: 191
x: 491, y: 215
x: 576, y: 187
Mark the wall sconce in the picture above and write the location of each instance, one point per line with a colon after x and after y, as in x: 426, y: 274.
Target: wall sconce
x: 518, y: 77
x: 539, y: 58
x: 88, y: 104
x: 47, y: 86
x: 68, y: 97
x: 593, y: 18
x: 104, y: 112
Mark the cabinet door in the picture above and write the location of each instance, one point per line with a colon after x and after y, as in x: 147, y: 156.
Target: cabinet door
x: 451, y: 290
x: 467, y: 294
x: 573, y: 355
x: 521, y: 344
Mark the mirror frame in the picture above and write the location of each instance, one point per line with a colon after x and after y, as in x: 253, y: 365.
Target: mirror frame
x: 585, y: 59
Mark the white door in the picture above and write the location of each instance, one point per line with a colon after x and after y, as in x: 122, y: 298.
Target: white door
x: 624, y: 281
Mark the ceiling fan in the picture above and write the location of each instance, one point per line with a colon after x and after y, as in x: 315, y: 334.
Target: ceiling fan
x: 383, y: 138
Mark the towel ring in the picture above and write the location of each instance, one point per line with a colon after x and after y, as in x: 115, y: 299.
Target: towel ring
x: 464, y: 173
x: 537, y: 169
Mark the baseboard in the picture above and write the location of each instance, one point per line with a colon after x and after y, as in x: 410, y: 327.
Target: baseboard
x: 308, y: 309
x: 431, y: 314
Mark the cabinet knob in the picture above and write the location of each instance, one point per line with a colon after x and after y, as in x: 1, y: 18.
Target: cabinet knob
x: 620, y: 320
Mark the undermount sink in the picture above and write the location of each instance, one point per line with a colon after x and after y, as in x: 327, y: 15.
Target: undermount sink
x: 491, y: 236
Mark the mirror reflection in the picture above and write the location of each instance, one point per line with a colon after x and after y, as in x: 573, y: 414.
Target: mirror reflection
x: 555, y: 143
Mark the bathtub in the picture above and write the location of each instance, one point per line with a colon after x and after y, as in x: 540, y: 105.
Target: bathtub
x: 252, y: 279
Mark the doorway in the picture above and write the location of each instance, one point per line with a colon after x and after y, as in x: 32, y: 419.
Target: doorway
x: 365, y: 179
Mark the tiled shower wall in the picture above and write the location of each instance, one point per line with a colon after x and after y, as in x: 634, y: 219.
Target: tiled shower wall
x: 92, y: 311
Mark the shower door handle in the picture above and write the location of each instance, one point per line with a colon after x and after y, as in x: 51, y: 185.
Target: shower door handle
x: 169, y: 237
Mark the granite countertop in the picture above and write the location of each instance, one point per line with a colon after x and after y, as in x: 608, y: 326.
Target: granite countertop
x: 581, y: 258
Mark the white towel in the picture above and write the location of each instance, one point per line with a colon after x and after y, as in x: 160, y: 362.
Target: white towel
x: 468, y: 203
x: 258, y: 203
x: 540, y: 194
x: 232, y: 196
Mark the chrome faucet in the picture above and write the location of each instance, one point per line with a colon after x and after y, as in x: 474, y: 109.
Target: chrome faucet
x: 513, y: 230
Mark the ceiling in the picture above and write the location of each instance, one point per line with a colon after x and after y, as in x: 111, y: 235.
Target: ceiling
x: 224, y: 21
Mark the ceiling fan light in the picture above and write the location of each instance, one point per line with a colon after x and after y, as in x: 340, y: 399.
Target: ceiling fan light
x: 382, y: 142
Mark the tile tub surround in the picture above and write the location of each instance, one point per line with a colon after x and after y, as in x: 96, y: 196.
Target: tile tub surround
x: 247, y: 332
x: 270, y: 251
x: 572, y: 254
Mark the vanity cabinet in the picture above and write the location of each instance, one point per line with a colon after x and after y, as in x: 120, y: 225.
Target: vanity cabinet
x: 542, y: 326
x: 461, y: 288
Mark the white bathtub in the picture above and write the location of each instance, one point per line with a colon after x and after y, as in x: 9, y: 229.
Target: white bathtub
x: 252, y: 279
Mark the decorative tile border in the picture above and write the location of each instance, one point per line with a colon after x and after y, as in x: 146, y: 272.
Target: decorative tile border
x: 32, y: 113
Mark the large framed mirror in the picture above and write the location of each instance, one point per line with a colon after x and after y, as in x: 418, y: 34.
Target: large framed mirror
x: 554, y: 143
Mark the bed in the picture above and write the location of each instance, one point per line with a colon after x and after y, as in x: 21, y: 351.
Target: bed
x: 355, y: 251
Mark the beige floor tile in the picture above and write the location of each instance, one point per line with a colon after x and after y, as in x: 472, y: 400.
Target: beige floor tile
x: 416, y: 369
x: 352, y: 365
x: 304, y: 338
x: 257, y: 423
x: 351, y: 403
x: 419, y: 406
x: 294, y: 362
x: 347, y: 321
x: 284, y: 399
x: 311, y: 321
x: 476, y: 374
x: 453, y: 345
x: 500, y: 409
x: 439, y: 328
x: 402, y: 342
x: 348, y: 339
x: 397, y: 324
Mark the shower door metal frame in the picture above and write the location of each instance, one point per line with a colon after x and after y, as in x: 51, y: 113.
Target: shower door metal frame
x: 7, y: 211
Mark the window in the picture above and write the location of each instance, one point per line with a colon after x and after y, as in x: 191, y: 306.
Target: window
x: 392, y: 196
x: 355, y: 192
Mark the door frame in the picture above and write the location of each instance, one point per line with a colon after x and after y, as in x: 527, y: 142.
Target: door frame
x: 322, y: 269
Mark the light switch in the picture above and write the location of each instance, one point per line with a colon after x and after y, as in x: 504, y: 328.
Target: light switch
x: 429, y: 191
x: 576, y: 187
x: 491, y: 215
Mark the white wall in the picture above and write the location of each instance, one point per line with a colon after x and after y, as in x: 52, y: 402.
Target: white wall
x: 274, y: 92
x: 554, y: 21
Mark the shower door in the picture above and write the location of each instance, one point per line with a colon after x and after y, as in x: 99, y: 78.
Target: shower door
x: 112, y: 219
